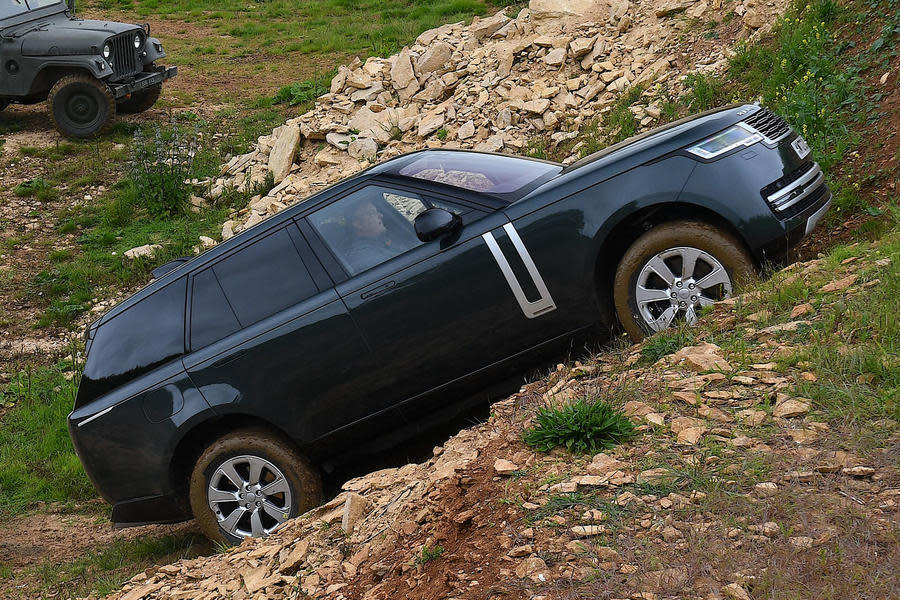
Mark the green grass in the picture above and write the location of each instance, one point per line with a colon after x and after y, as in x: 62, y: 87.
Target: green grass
x: 105, y: 570
x: 429, y: 554
x: 585, y: 426
x: 665, y: 343
x: 37, y: 461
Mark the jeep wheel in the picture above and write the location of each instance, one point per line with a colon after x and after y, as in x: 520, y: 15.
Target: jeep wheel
x: 673, y: 271
x: 140, y: 101
x: 82, y: 107
x: 249, y: 482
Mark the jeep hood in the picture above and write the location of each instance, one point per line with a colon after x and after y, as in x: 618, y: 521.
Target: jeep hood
x: 62, y: 37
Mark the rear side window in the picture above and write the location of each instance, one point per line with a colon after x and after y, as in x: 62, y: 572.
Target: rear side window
x: 264, y: 278
x: 211, y: 315
x: 136, y: 341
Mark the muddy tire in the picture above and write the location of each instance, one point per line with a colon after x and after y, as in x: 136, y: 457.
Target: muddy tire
x: 672, y: 271
x: 247, y: 483
x: 81, y: 106
x: 140, y: 101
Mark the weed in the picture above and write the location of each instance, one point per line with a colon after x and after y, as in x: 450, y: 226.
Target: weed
x: 582, y: 427
x: 38, y: 187
x: 429, y: 554
x: 441, y: 134
x: 304, y: 91
x: 160, y: 166
x: 664, y: 343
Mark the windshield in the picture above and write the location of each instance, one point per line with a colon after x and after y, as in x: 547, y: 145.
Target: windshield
x: 11, y: 8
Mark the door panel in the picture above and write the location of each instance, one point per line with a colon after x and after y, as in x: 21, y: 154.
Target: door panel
x: 306, y: 370
x: 435, y: 315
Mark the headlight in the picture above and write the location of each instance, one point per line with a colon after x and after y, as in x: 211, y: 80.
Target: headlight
x: 137, y: 41
x: 107, y: 51
x: 739, y: 135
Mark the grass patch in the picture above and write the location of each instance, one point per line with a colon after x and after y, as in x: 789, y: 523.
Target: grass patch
x: 104, y: 571
x: 665, y: 343
x: 582, y: 427
x: 37, y: 461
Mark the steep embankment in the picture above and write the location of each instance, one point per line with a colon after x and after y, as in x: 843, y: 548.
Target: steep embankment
x: 737, y: 482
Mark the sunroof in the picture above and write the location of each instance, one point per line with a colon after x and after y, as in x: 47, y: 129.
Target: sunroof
x: 486, y: 173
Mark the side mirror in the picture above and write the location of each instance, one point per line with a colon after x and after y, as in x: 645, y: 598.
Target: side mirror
x: 435, y: 223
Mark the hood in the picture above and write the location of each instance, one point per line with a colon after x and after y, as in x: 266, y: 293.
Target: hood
x: 57, y: 36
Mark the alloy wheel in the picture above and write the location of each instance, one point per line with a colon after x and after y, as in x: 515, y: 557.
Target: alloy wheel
x: 249, y: 496
x: 676, y: 283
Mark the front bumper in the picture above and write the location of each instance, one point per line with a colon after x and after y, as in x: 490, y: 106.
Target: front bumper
x: 142, y: 81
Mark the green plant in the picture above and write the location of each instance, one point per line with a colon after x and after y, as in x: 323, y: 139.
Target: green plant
x: 582, y: 427
x: 441, y: 134
x: 304, y: 91
x: 161, y: 165
x: 665, y: 342
x: 38, y: 187
x: 429, y: 554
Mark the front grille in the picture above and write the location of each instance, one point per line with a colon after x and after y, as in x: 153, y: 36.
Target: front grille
x: 814, y: 198
x: 786, y: 180
x: 770, y: 125
x: 124, y: 56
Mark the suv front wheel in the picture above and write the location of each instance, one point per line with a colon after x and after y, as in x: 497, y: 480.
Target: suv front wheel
x: 82, y: 107
x: 673, y: 271
x: 249, y: 482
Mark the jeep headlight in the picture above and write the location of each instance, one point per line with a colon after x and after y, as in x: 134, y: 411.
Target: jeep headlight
x: 107, y: 51
x: 739, y: 135
x: 138, y: 42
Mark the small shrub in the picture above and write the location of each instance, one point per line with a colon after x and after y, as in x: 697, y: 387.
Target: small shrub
x: 160, y: 166
x: 441, y: 134
x: 429, y: 554
x: 703, y: 92
x: 582, y: 427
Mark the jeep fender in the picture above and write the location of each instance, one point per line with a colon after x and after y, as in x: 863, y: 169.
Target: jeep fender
x: 153, y: 48
x: 52, y: 70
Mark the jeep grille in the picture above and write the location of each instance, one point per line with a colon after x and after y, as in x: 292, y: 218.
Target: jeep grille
x: 124, y: 56
x: 771, y: 126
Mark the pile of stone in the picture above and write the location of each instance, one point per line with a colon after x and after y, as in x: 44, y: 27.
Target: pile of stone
x: 492, y: 86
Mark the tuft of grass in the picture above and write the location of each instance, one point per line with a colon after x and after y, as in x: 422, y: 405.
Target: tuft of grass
x: 582, y: 427
x: 664, y: 343
x: 39, y: 188
x: 306, y: 91
x: 429, y: 554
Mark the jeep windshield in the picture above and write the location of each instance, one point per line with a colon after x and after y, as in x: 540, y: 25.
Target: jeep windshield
x: 11, y: 8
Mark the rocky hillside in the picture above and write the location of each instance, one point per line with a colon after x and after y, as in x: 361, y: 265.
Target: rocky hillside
x: 493, y: 85
x: 735, y: 486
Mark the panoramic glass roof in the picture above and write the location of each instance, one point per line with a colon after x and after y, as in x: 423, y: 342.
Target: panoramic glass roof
x: 486, y: 173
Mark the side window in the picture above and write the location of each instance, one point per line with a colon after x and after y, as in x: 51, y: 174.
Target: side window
x: 136, y: 341
x: 369, y: 226
x: 264, y: 278
x: 211, y: 316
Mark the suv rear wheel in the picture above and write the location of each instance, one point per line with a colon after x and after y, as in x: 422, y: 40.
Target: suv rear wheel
x: 82, y: 107
x: 672, y: 271
x: 249, y: 482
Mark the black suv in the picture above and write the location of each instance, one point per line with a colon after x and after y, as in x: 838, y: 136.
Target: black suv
x: 86, y: 70
x: 384, y: 304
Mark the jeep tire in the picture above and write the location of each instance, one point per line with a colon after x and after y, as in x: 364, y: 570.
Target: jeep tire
x: 275, y: 483
x: 140, y: 101
x: 677, y: 268
x: 81, y: 106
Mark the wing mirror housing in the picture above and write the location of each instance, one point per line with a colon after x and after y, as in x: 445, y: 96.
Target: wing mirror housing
x: 436, y: 223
